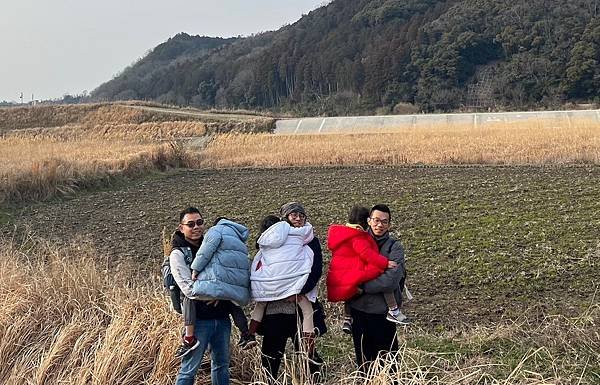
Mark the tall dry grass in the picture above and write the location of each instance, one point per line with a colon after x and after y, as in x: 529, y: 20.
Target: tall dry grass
x: 48, y: 151
x: 40, y: 168
x: 89, y: 115
x: 99, y: 143
x: 66, y: 317
x: 527, y: 143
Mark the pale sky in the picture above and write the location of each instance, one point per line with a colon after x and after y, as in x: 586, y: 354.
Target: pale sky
x: 53, y: 47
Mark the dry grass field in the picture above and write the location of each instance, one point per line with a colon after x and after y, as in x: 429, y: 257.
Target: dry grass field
x: 68, y: 319
x: 530, y: 143
x: 503, y: 260
x: 49, y: 151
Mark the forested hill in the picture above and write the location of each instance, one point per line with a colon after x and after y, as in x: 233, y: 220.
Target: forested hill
x: 362, y: 56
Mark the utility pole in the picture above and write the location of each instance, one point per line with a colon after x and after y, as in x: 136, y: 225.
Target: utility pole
x: 21, y: 97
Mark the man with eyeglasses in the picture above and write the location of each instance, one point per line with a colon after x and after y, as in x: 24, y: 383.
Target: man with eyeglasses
x: 212, y: 325
x: 372, y: 334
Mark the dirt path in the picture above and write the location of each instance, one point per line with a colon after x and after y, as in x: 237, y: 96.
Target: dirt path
x: 201, y: 114
x: 481, y: 242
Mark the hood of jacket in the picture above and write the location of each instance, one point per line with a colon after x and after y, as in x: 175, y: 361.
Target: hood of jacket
x: 239, y: 229
x: 178, y: 240
x: 276, y: 235
x: 340, y: 234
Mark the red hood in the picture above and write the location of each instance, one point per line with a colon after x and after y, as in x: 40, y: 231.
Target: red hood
x: 340, y: 234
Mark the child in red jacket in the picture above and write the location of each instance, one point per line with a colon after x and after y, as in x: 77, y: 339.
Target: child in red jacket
x: 355, y: 260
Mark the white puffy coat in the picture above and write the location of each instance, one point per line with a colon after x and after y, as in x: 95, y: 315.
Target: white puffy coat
x: 283, y: 262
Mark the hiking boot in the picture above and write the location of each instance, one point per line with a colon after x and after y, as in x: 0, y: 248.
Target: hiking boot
x: 396, y: 316
x: 247, y: 342
x: 186, y: 348
x: 347, y: 325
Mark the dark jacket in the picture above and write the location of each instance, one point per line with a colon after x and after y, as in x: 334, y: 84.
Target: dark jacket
x: 317, y: 267
x: 371, y: 300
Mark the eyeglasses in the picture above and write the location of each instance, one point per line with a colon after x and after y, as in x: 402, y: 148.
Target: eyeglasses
x: 377, y: 221
x: 298, y: 215
x: 192, y: 224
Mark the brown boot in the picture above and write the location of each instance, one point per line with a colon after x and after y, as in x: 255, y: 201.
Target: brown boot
x: 253, y: 327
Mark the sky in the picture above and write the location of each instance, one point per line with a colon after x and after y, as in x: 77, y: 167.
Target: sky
x: 52, y: 48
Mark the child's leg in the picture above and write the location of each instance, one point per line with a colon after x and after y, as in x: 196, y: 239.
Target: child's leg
x: 394, y: 314
x: 347, y: 313
x: 189, y: 318
x: 308, y: 325
x: 390, y: 300
x: 256, y: 317
x: 190, y: 342
x: 347, y: 322
x: 258, y: 312
x: 239, y: 319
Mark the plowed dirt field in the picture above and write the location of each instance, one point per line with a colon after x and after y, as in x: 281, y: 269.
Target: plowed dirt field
x: 481, y: 243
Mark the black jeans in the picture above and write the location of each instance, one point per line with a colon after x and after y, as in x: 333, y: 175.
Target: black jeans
x: 372, y: 335
x: 276, y: 329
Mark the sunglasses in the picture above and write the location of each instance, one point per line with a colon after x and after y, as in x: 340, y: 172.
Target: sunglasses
x: 192, y: 224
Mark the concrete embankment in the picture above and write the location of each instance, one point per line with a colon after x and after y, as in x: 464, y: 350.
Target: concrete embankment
x: 349, y: 124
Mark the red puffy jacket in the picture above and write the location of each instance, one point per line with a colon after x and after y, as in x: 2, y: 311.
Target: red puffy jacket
x: 355, y: 259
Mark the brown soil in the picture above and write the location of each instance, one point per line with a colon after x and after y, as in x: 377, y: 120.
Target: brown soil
x: 482, y: 243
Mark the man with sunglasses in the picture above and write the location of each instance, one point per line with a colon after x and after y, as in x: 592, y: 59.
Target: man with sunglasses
x: 212, y: 325
x: 372, y: 334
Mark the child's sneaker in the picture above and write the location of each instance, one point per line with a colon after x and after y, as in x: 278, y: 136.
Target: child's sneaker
x: 247, y: 342
x: 396, y: 316
x: 347, y: 325
x: 186, y: 348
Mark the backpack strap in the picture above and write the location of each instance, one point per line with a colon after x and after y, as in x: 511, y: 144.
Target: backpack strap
x: 187, y: 255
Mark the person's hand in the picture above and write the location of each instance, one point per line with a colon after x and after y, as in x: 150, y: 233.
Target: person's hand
x: 392, y: 265
x: 213, y: 302
x: 194, y: 275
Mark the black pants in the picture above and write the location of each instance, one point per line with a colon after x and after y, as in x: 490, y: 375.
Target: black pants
x: 372, y: 335
x: 239, y: 319
x: 276, y: 329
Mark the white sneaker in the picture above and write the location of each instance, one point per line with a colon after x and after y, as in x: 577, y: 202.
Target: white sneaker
x: 396, y: 316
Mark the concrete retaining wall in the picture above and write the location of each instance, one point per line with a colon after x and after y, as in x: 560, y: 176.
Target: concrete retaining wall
x: 390, y: 122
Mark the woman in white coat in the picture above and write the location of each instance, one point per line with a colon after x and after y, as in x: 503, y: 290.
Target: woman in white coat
x: 280, y: 317
x: 281, y: 268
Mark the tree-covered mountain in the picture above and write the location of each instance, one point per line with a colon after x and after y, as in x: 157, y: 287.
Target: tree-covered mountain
x: 355, y: 56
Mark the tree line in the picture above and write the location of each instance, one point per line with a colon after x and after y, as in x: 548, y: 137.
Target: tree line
x: 365, y: 56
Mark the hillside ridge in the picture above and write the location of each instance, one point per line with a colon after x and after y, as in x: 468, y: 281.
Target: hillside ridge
x: 384, y: 56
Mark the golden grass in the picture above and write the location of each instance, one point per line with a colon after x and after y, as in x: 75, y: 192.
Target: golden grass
x: 48, y: 151
x: 99, y: 143
x: 109, y: 131
x: 527, y: 143
x: 89, y: 115
x: 39, y: 168
x: 67, y: 318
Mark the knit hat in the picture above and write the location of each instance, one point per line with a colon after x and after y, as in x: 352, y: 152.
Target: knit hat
x: 292, y: 207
